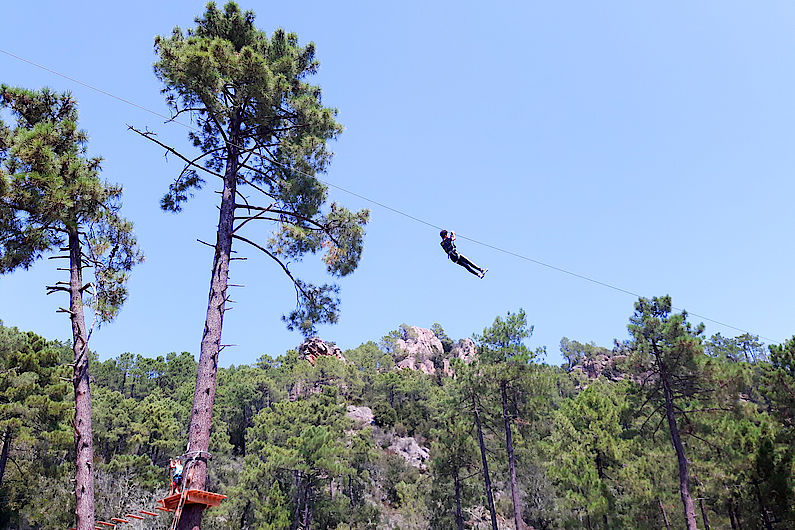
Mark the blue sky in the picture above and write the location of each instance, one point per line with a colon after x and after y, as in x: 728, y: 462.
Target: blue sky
x: 645, y: 145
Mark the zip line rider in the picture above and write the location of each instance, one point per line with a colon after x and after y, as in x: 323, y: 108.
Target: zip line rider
x: 448, y: 245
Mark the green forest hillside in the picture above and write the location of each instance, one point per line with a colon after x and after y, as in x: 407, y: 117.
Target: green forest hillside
x: 388, y: 435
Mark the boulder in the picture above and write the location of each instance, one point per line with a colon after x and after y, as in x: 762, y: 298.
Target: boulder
x: 609, y: 366
x: 413, y: 453
x: 362, y: 416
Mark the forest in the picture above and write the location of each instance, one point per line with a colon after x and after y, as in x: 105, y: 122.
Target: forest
x: 322, y: 444
x: 667, y: 428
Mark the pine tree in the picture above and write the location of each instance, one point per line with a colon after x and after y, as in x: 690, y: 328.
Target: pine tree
x: 503, y: 353
x: 51, y: 196
x: 453, y: 458
x: 302, y: 444
x: 471, y: 391
x: 665, y: 346
x: 586, y: 443
x: 262, y: 131
x: 33, y: 404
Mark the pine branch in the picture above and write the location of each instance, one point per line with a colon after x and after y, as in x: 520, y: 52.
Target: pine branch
x: 709, y: 409
x: 241, y: 225
x: 194, y: 162
x: 149, y: 136
x: 642, y: 425
x: 277, y: 260
x: 319, y: 227
x: 657, y: 428
x: 244, y: 179
x: 211, y: 116
x: 181, y: 111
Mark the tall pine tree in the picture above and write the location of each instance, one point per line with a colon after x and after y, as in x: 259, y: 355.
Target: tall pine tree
x: 262, y: 131
x: 503, y: 353
x: 665, y: 346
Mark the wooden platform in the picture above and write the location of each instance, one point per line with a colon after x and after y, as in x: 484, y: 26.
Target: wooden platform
x: 206, y: 498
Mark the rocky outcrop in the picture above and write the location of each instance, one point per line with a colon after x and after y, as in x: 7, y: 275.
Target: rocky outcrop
x: 314, y: 347
x: 602, y: 365
x: 413, y: 453
x: 420, y: 349
x: 465, y: 350
x: 362, y: 416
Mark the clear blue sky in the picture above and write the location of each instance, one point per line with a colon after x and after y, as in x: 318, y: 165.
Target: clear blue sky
x: 645, y: 145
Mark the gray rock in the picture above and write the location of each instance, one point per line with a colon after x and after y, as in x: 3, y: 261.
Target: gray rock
x: 414, y: 454
x: 363, y: 416
x: 417, y: 348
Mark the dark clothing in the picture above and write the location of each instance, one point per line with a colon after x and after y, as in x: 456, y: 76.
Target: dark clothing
x: 468, y: 265
x: 449, y: 247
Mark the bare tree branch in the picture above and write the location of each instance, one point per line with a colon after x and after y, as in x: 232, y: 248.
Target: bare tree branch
x: 276, y: 259
x: 148, y: 136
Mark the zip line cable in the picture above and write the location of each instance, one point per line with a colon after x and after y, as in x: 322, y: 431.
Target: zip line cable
x: 170, y: 119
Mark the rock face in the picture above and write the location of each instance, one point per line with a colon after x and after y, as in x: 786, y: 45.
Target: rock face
x: 420, y: 346
x: 465, y: 350
x: 608, y: 366
x: 313, y: 348
x: 414, y: 454
x: 420, y: 349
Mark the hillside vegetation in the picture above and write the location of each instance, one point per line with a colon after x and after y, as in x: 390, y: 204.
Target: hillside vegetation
x: 350, y: 440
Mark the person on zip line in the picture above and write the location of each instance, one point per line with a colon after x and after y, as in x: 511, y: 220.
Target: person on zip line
x: 448, y: 245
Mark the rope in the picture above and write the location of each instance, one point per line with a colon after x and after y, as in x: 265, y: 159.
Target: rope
x: 385, y: 206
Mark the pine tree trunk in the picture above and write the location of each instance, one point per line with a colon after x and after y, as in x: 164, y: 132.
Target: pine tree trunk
x: 4, y: 453
x: 84, y: 448
x: 735, y: 522
x: 684, y: 476
x: 459, y: 518
x: 204, y: 394
x: 665, y: 515
x: 517, y: 503
x: 739, y: 517
x: 762, y: 507
x: 703, y: 514
x: 732, y: 519
x: 307, y: 517
x: 601, y: 474
x: 299, y: 496
x: 244, y: 514
x: 486, y: 479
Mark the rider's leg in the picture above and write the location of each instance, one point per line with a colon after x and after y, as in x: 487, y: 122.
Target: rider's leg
x: 468, y: 265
